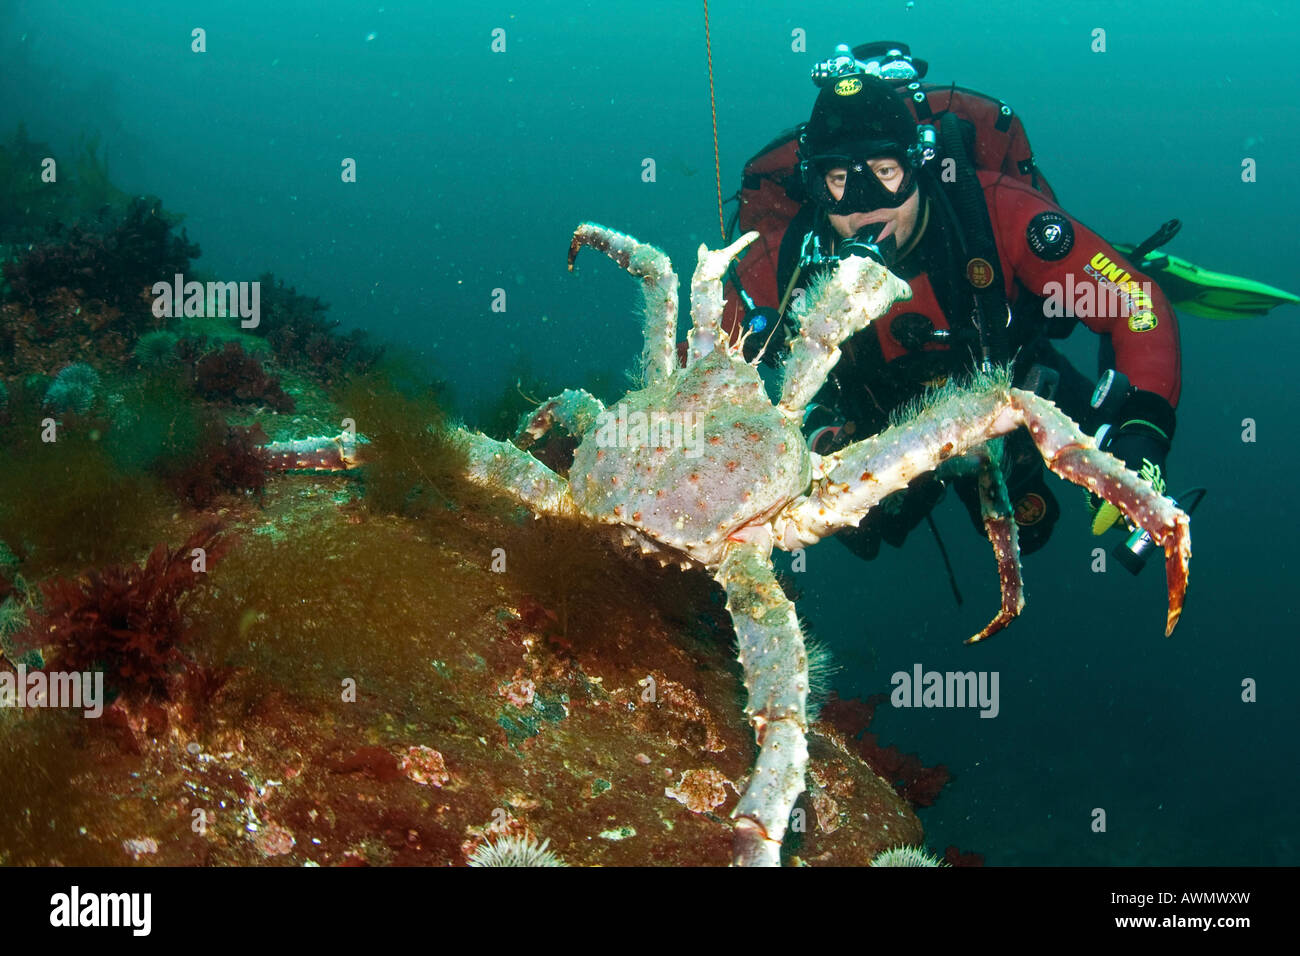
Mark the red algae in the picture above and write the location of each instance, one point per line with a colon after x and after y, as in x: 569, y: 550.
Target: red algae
x: 918, y: 784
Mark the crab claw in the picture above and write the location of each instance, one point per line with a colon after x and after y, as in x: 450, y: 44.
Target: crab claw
x: 707, y: 302
x: 1155, y: 514
x: 712, y: 265
x: 1072, y: 455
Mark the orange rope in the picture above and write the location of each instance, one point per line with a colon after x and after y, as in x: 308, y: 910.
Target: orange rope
x: 713, y: 108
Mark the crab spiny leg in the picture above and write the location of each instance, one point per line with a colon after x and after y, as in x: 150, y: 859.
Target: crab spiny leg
x: 1003, y: 534
x: 502, y: 467
x: 575, y: 410
x: 707, y: 302
x: 340, y: 452
x: 855, y: 295
x: 855, y: 479
x: 776, y: 676
x: 850, y: 482
x: 658, y: 284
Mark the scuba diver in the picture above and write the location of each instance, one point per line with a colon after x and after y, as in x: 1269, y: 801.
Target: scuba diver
x: 939, y: 184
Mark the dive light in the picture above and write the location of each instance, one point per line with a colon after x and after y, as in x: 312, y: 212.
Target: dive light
x: 1136, y: 550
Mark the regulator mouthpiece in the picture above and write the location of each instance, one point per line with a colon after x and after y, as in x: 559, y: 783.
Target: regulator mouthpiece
x: 864, y: 243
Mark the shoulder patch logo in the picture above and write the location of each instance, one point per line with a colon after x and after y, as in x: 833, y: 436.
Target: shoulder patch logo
x: 1143, y: 321
x: 1050, y: 235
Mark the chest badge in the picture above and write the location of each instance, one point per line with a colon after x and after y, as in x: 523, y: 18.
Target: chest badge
x: 1029, y: 510
x: 979, y: 272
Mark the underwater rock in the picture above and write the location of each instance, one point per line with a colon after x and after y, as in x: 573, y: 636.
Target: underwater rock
x: 301, y: 337
x: 341, y: 704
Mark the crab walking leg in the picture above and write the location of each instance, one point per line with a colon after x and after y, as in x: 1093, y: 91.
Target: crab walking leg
x: 858, y: 477
x: 503, y: 467
x: 855, y: 295
x: 707, y: 302
x: 1000, y: 526
x: 340, y: 452
x: 658, y: 284
x: 776, y: 676
x: 575, y: 410
x: 984, y: 464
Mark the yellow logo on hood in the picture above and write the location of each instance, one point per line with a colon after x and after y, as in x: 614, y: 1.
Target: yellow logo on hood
x: 848, y: 86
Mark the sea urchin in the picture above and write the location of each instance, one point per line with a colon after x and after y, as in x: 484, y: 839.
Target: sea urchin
x: 906, y: 856
x: 515, y: 851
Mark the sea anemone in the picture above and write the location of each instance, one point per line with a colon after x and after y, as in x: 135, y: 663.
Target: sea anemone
x: 73, y: 389
x: 515, y: 851
x: 155, y: 350
x: 906, y: 856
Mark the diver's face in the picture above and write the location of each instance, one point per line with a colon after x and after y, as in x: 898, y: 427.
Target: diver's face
x: 899, y: 223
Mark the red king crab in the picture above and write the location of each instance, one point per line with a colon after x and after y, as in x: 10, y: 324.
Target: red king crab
x: 698, y: 466
x: 727, y: 475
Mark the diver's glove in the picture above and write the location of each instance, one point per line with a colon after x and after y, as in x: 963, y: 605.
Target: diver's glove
x: 1140, y: 438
